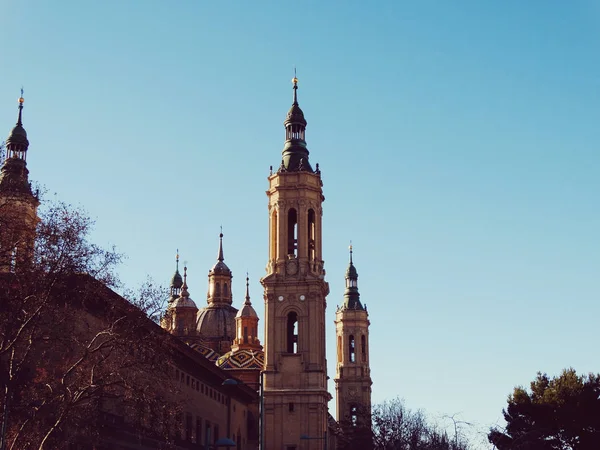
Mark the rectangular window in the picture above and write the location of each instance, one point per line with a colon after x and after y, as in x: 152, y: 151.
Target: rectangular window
x: 198, y: 430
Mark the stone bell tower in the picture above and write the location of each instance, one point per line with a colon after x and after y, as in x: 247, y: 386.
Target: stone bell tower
x: 18, y: 205
x: 295, y: 374
x: 353, y: 373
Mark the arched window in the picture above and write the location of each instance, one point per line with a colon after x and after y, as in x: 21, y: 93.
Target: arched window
x: 351, y: 348
x: 292, y: 232
x: 274, y: 235
x: 292, y: 332
x: 217, y: 290
x: 225, y: 290
x: 311, y: 234
x: 245, y: 335
x: 363, y: 347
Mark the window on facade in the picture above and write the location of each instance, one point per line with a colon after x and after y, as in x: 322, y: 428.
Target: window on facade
x: 292, y: 232
x: 217, y: 289
x: 245, y: 335
x: 292, y: 333
x: 363, y: 347
x: 274, y: 232
x: 207, y: 434
x: 291, y: 407
x: 311, y: 234
x: 198, y: 430
x: 188, y: 427
x: 351, y: 353
x: 225, y: 290
x: 353, y: 416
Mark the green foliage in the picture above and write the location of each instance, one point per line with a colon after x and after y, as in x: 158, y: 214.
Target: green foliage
x: 562, y: 413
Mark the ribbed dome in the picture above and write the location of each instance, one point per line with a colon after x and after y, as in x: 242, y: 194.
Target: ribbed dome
x: 220, y: 268
x: 351, y: 271
x: 17, y: 135
x: 177, y: 280
x: 184, y: 302
x: 217, y: 321
x: 295, y: 115
x: 247, y: 311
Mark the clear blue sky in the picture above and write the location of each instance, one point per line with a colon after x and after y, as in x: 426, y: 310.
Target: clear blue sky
x: 458, y: 143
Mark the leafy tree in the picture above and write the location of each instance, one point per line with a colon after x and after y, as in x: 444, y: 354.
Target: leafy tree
x: 557, y: 414
x: 74, y: 355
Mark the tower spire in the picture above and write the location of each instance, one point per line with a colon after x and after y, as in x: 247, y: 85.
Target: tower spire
x: 247, y: 302
x: 295, y: 153
x: 20, y: 118
x: 220, y: 255
x: 295, y: 81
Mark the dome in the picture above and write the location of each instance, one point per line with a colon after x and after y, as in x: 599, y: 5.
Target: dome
x: 351, y: 271
x: 295, y: 115
x: 246, y: 311
x: 183, y: 302
x: 242, y: 359
x: 220, y: 268
x: 177, y: 280
x: 217, y: 322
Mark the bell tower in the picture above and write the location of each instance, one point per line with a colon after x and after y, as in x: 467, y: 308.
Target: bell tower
x: 295, y: 374
x: 18, y: 205
x: 353, y: 373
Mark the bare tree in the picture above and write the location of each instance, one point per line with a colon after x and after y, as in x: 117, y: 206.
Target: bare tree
x: 74, y: 355
x: 395, y: 427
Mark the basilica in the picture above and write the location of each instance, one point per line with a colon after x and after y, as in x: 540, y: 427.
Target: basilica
x: 288, y: 371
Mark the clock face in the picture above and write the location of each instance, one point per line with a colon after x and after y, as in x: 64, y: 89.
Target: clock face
x: 280, y: 298
x: 302, y: 297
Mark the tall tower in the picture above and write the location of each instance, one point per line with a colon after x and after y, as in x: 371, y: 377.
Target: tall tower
x: 353, y: 373
x: 18, y: 205
x: 295, y: 375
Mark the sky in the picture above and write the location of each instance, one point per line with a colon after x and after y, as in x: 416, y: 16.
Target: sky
x: 457, y: 143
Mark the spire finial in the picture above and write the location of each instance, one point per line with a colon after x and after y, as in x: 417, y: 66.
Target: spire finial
x: 350, y: 252
x: 184, y: 287
x: 177, y: 260
x: 21, y: 100
x: 220, y: 257
x: 295, y: 81
x: 247, y: 302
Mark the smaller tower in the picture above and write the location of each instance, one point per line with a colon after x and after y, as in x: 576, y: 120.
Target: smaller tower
x: 216, y: 322
x: 182, y: 312
x: 353, y: 373
x: 176, y: 282
x: 246, y: 357
x: 18, y: 205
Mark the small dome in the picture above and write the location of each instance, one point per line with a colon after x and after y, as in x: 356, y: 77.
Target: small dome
x: 217, y: 321
x: 242, y: 359
x: 351, y: 271
x: 246, y: 311
x: 220, y: 268
x: 177, y: 280
x: 295, y: 115
x: 183, y: 302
